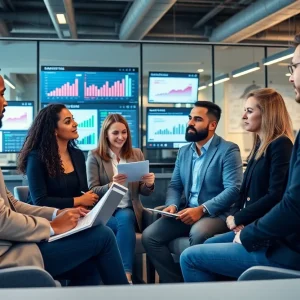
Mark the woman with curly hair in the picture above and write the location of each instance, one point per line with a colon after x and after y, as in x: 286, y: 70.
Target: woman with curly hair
x: 54, y: 166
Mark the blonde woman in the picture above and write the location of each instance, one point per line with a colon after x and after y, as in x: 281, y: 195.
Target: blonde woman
x: 115, y: 147
x: 263, y: 186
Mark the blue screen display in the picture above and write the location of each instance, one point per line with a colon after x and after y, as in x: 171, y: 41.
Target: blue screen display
x: 17, y: 119
x: 89, y: 85
x: 91, y: 116
x: 166, y: 127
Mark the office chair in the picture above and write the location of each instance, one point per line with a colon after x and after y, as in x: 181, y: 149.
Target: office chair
x: 25, y: 277
x: 267, y: 273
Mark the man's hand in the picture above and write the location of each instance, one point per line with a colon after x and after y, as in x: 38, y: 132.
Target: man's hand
x: 170, y: 209
x: 67, y: 219
x: 190, y: 216
x: 237, y: 239
x: 230, y: 222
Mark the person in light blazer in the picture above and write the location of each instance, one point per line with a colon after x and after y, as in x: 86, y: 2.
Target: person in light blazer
x: 264, y: 183
x: 115, y: 147
x: 85, y: 258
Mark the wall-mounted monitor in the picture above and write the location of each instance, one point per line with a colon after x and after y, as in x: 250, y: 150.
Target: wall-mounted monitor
x: 18, y: 117
x: 170, y: 87
x: 166, y: 127
x: 89, y: 85
x: 91, y: 116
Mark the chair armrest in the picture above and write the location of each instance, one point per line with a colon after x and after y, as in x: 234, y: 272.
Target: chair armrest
x: 23, y: 277
x: 266, y: 273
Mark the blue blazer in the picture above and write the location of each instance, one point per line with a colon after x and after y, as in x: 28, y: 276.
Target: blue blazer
x: 279, y: 230
x: 220, y: 181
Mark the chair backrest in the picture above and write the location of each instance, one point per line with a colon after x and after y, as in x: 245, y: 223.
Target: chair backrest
x: 21, y: 193
x: 23, y: 277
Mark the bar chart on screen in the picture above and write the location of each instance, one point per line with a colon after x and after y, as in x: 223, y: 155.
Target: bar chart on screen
x: 111, y: 86
x: 87, y: 120
x: 61, y: 86
x: 17, y: 118
x: 167, y: 128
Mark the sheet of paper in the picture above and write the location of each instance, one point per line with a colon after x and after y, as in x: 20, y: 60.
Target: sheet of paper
x: 164, y: 213
x: 134, y: 170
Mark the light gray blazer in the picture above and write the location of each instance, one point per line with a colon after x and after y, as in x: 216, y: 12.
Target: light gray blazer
x: 100, y: 174
x: 21, y: 227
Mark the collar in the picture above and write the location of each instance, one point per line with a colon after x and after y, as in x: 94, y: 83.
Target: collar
x: 204, y: 147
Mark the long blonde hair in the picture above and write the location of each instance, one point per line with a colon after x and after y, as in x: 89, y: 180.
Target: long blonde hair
x: 276, y: 121
x: 103, y: 145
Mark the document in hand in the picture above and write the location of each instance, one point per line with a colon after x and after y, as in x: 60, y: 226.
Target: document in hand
x: 134, y: 170
x: 100, y: 214
x: 164, y: 213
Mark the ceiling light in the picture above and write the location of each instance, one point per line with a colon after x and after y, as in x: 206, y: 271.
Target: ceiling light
x: 245, y: 70
x: 9, y: 82
x: 278, y: 57
x: 200, y: 70
x: 61, y: 18
x: 220, y: 79
x: 202, y: 87
x: 288, y: 74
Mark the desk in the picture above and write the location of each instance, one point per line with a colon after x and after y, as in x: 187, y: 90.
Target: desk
x: 246, y: 290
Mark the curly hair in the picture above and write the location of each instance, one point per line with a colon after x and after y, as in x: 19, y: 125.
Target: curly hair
x: 41, y: 138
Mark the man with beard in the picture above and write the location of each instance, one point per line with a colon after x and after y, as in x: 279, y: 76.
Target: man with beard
x: 25, y: 229
x: 208, y: 174
x: 273, y: 240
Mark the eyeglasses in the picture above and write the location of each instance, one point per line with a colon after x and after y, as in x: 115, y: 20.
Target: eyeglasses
x: 292, y: 67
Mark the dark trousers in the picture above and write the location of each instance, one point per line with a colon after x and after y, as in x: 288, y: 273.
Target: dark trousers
x: 158, y: 235
x: 85, y: 258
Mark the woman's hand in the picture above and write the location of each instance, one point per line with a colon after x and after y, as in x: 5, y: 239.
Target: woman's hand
x: 120, y: 179
x: 148, y: 179
x: 87, y: 199
x: 230, y: 222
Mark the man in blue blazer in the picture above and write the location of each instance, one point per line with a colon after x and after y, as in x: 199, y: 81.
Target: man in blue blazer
x: 204, y: 185
x: 273, y: 240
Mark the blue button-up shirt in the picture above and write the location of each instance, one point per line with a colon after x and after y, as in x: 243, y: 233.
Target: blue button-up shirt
x: 197, y: 163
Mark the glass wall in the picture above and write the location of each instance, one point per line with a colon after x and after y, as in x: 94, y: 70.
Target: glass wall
x: 230, y: 95
x: 278, y: 79
x: 152, y: 131
x: 18, y: 66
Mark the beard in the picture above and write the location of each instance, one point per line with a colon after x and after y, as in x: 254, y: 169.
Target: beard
x: 196, y: 136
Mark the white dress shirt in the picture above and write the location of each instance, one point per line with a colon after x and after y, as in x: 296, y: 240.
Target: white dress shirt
x: 126, y: 201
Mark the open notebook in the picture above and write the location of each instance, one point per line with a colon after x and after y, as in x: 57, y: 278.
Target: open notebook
x: 101, y: 213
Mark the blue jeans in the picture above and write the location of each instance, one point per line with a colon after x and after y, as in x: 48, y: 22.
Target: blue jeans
x: 85, y: 258
x: 219, y: 256
x: 122, y: 224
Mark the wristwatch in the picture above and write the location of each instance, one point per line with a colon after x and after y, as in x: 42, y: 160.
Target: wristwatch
x: 204, y: 209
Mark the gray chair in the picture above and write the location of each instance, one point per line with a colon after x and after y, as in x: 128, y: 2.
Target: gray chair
x: 268, y: 273
x: 26, y: 277
x: 21, y: 193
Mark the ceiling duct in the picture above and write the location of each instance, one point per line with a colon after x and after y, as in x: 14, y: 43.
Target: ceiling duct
x: 255, y: 18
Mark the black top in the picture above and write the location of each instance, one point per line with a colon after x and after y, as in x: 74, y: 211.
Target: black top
x: 55, y: 192
x: 72, y: 183
x: 264, y: 182
x: 279, y: 229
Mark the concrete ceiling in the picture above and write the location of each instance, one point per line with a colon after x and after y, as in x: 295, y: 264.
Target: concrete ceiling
x: 182, y: 20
